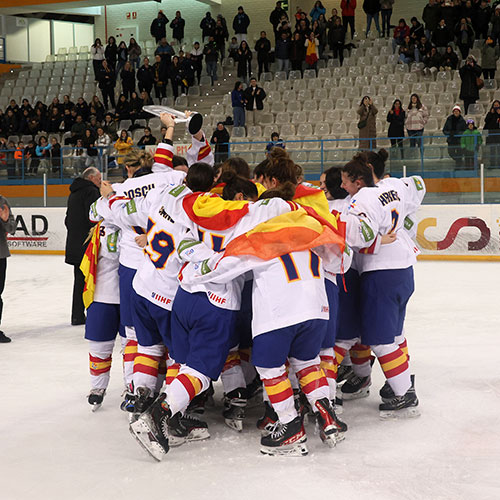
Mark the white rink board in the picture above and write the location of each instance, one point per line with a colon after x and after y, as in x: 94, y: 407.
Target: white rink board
x: 444, y: 231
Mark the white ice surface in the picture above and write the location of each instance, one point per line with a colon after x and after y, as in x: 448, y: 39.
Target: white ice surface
x: 53, y: 447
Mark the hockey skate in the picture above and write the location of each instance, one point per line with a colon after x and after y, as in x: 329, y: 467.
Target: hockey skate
x: 401, y: 406
x: 95, y: 398
x: 386, y: 392
x: 128, y: 400
x: 235, y: 403
x: 198, y: 403
x: 338, y: 404
x: 143, y: 399
x: 343, y: 373
x: 254, y: 393
x: 285, y: 439
x: 267, y: 421
x: 197, y: 430
x: 150, y: 428
x: 356, y: 387
x: 331, y: 429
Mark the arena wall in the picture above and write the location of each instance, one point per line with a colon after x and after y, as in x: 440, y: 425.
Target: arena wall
x: 447, y: 232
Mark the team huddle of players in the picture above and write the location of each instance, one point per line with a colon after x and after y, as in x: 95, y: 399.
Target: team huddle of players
x: 266, y: 283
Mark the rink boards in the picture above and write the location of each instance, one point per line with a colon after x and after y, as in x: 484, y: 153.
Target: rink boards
x: 448, y: 232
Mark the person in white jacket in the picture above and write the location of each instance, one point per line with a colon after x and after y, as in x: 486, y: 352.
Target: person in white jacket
x: 97, y: 51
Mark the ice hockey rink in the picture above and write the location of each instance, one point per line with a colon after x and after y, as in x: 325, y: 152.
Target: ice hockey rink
x: 53, y: 447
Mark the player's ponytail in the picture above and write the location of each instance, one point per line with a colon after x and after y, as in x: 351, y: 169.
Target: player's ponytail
x: 377, y: 161
x: 235, y: 184
x: 138, y: 160
x: 358, y: 169
x: 285, y: 191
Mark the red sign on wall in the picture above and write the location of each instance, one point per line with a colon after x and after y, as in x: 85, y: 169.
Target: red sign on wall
x: 128, y: 15
x: 134, y: 15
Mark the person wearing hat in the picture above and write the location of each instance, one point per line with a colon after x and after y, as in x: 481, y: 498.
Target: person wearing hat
x: 489, y: 57
x: 453, y: 129
x: 240, y: 25
x: 470, y: 142
x: 470, y: 74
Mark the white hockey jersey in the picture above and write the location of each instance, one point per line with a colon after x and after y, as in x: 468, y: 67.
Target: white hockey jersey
x: 382, y: 210
x: 107, y: 289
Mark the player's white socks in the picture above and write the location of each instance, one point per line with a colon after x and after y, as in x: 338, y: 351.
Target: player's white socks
x: 312, y: 380
x: 188, y: 384
x: 327, y: 358
x: 232, y: 373
x: 147, y: 362
x: 100, y: 363
x: 129, y: 352
x: 394, y: 363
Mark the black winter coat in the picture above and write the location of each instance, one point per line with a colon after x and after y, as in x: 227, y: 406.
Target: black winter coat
x: 469, y: 88
x: 145, y: 76
x: 83, y: 194
x: 158, y: 28
x: 397, y: 124
x: 177, y: 26
x: 371, y: 6
x: 258, y: 94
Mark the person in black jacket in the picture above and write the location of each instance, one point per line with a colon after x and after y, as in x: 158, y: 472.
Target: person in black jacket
x: 145, y: 77
x: 148, y: 139
x: 106, y: 78
x: 241, y: 22
x: 492, y: 125
x: 220, y: 138
x: 177, y: 26
x: 221, y: 35
x: 254, y: 96
x: 160, y: 78
x: 263, y: 48
x: 111, y: 54
x: 275, y: 19
x: 128, y: 80
x: 469, y: 90
x: 336, y: 38
x: 453, y: 128
x: 244, y: 69
x: 158, y: 27
x: 396, y: 118
x: 83, y: 192
x: 207, y: 26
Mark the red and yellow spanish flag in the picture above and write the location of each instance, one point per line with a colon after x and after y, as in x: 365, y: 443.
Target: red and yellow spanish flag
x: 88, y: 266
x: 210, y: 211
x: 314, y: 198
x: 290, y: 232
x: 218, y: 188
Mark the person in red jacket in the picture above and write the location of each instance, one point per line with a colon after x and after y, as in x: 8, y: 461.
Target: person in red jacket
x: 347, y: 8
x: 401, y: 31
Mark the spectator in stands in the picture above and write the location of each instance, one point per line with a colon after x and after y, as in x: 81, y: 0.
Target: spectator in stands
x: 158, y: 28
x: 10, y: 162
x: 442, y: 36
x: 110, y: 127
x: 188, y: 69
x: 492, y: 125
x: 102, y: 141
x: 160, y: 78
x: 197, y: 60
x: 42, y: 152
x: 386, y: 13
x: 450, y: 12
x: 82, y: 108
x: 165, y: 51
x: 220, y: 37
x: 283, y: 52
x: 238, y: 103
x: 336, y: 39
x: 148, y: 139
x: 220, y: 138
x: 317, y: 10
x: 372, y: 10
x: 417, y: 116
x: 211, y: 57
x: 41, y: 118
x: 84, y: 191
x: 407, y: 50
x: 241, y: 22
x: 432, y: 61
x: 135, y: 107
x: 422, y: 48
x: 77, y: 131
x: 416, y: 30
x: 68, y: 120
x: 302, y: 21
x: 134, y: 54
x: 320, y: 32
x: 98, y: 107
x: 8, y: 225
x: 111, y: 53
x: 348, y: 8
x: 481, y: 19
x: 13, y: 106
x: 146, y: 100
x: 304, y: 30
x: 122, y: 56
x: 92, y: 125
x: 431, y: 16
x: 122, y: 110
x: 396, y: 118
x: 91, y: 152
x: 495, y: 24
x: 263, y: 49
x: 177, y: 26
x: 123, y: 145
x: 67, y: 103
x: 207, y: 26
x: 97, y: 52
x: 367, y: 124
x: 254, y: 96
x: 312, y: 55
x: 20, y: 159
x: 145, y: 77
x: 78, y: 157
x: 29, y: 157
x: 471, y: 142
x: 401, y: 31
x: 11, y: 123
x: 177, y: 78
x: 470, y: 73
x: 284, y: 27
x: 244, y: 61
x: 465, y: 36
x: 23, y: 123
x: 54, y: 121
x: 107, y: 84
x: 489, y: 57
x: 26, y: 105
x: 276, y: 142
x: 275, y: 19
x: 453, y: 129
x: 128, y: 79
x: 449, y: 60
